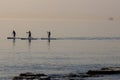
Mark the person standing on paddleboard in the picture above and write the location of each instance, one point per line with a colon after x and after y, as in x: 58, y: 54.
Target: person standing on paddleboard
x: 29, y: 34
x: 49, y: 34
x: 14, y: 33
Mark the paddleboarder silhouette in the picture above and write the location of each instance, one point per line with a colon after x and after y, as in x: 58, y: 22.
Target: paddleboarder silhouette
x: 29, y: 34
x: 49, y: 34
x: 14, y: 33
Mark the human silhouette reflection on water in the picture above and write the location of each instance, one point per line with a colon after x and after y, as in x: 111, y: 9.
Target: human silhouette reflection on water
x: 14, y: 42
x: 29, y: 45
x: 29, y: 41
x: 49, y: 44
x: 49, y: 41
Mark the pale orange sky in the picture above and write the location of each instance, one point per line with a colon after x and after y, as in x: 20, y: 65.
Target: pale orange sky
x: 93, y: 17
x: 59, y: 8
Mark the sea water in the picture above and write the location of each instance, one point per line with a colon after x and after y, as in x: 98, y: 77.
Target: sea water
x: 62, y: 56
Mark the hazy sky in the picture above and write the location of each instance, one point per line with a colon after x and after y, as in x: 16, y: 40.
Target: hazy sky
x: 59, y: 8
x: 93, y: 17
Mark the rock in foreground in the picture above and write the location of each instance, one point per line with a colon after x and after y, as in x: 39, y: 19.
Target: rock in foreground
x: 71, y: 76
x: 31, y: 76
x: 109, y: 70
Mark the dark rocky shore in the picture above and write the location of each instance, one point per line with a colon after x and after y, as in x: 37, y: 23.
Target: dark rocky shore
x: 70, y: 76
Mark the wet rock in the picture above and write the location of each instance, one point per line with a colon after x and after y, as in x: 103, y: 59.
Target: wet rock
x: 31, y: 76
x: 107, y: 70
x: 84, y: 75
x: 17, y: 78
x: 71, y: 76
x: 41, y: 74
x: 111, y: 68
x: 27, y: 74
x: 79, y: 75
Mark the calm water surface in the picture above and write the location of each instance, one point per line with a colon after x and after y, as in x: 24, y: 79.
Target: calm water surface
x: 59, y: 56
